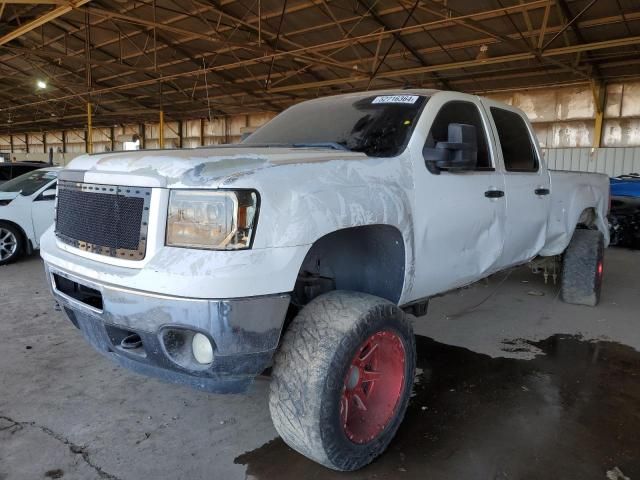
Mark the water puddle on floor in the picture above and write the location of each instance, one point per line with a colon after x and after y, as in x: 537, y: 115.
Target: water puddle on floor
x: 571, y: 413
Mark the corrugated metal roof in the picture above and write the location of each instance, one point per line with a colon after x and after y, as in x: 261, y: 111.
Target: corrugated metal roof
x: 202, y: 58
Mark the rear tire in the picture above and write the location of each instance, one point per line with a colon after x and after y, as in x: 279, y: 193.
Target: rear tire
x: 11, y: 243
x: 582, y: 268
x: 341, y: 346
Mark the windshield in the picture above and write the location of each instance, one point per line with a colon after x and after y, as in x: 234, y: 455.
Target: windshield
x: 29, y: 183
x: 377, y: 125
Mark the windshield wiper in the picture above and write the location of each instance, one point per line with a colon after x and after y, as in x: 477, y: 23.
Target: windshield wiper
x: 333, y: 145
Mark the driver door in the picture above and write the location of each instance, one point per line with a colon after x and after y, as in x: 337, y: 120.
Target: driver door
x: 459, y: 216
x: 43, y: 210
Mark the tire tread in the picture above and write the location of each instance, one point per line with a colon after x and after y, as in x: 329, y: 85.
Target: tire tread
x: 579, y: 283
x: 307, y: 351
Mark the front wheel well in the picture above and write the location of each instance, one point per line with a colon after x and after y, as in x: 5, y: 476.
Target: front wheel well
x: 368, y: 259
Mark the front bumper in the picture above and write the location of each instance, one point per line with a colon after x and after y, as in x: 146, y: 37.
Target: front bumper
x: 244, y: 331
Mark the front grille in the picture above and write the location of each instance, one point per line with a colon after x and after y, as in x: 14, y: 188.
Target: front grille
x: 103, y: 219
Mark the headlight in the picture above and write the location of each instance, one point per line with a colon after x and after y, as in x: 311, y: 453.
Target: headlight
x: 216, y: 219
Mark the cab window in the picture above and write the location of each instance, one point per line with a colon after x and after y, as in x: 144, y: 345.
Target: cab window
x: 465, y: 113
x: 518, y: 151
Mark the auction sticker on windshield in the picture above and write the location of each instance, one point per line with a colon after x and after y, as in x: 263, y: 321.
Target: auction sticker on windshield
x: 396, y: 99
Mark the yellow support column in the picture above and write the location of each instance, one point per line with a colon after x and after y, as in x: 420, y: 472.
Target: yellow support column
x: 89, y: 129
x: 597, y: 129
x: 161, y: 133
x: 599, y: 97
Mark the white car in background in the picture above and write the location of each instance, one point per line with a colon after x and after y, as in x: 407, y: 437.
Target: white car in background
x: 27, y: 205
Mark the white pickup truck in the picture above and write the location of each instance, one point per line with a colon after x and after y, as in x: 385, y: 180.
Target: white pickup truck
x: 302, y: 248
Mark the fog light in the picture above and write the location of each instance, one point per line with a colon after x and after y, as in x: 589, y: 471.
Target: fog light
x: 202, y: 349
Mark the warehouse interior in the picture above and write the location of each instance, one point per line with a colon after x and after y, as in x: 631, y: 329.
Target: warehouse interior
x: 510, y: 382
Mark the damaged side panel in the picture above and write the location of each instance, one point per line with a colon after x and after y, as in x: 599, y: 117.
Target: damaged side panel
x: 573, y: 194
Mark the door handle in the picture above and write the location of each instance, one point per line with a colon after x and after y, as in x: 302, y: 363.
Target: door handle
x: 541, y: 191
x: 494, y: 194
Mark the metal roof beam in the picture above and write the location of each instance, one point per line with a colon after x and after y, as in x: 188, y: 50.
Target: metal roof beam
x: 614, y: 43
x: 41, y: 20
x: 398, y: 38
x: 477, y: 26
x: 319, y: 48
x: 571, y: 22
x: 584, y: 24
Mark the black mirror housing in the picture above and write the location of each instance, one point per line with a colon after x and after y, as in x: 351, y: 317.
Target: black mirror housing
x: 458, y: 154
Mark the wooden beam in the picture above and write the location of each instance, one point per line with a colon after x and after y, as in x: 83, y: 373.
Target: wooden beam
x: 471, y: 63
x: 89, y: 138
x: 543, y: 28
x: 571, y: 22
x: 480, y: 27
x: 599, y: 91
x: 143, y: 135
x: 443, y: 23
x: 481, y: 15
x: 38, y: 22
x: 597, y: 130
x: 56, y: 55
x: 529, y: 24
x: 161, y: 131
x: 399, y: 73
x: 132, y: 19
x: 36, y: 2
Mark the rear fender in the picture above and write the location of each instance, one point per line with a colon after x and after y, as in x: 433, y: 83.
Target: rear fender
x: 585, y: 207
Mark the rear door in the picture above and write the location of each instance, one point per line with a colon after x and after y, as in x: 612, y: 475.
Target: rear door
x: 527, y: 185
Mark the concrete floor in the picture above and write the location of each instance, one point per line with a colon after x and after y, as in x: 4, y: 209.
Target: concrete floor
x: 523, y: 386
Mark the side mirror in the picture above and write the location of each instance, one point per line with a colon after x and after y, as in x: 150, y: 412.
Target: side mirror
x: 458, y: 154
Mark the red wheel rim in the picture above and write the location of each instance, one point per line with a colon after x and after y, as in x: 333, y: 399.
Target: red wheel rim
x: 372, y: 387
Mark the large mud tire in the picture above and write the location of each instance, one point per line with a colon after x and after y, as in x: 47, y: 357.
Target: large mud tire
x: 343, y: 345
x: 583, y: 268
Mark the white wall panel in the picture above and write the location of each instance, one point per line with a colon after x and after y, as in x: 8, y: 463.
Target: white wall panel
x: 612, y: 161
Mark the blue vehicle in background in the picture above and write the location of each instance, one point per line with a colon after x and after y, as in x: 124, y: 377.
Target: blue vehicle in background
x: 624, y: 217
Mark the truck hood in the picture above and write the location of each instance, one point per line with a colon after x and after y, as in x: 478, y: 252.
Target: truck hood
x: 202, y: 167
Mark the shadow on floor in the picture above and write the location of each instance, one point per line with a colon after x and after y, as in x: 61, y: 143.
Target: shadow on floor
x: 571, y: 413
